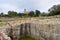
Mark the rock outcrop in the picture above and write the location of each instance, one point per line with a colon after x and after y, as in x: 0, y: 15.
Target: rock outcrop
x: 41, y: 29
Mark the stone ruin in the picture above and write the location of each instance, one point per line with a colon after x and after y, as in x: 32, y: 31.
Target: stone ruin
x: 41, y: 30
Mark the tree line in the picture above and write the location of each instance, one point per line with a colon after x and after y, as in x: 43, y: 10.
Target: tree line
x: 15, y: 14
x: 54, y: 10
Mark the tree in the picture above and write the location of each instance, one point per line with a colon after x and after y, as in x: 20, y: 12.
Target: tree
x: 31, y: 13
x: 55, y: 10
x: 12, y: 13
x: 37, y: 12
x: 20, y: 14
x: 2, y: 14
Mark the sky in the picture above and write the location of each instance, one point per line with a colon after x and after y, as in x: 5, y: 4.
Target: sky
x: 30, y: 5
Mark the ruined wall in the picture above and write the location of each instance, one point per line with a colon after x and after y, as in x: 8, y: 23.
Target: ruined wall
x: 40, y: 31
x: 45, y: 29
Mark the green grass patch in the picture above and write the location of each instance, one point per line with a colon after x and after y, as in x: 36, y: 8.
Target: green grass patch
x: 1, y: 23
x: 26, y: 38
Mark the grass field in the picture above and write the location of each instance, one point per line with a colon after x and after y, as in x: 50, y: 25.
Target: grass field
x: 26, y: 38
x: 1, y: 23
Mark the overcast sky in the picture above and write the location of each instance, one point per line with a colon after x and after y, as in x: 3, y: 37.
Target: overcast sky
x: 20, y: 5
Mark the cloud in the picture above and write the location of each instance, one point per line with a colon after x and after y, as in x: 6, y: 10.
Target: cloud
x: 8, y: 7
x: 44, y: 5
x: 19, y: 5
